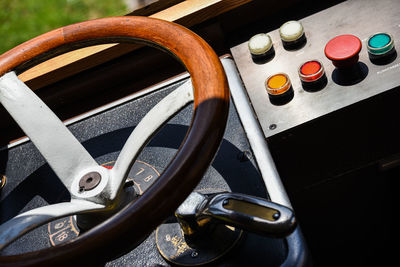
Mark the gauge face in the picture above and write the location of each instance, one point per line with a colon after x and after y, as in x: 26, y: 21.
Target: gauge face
x: 141, y: 176
x: 62, y: 230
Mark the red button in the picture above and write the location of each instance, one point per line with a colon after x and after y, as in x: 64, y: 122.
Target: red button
x: 311, y: 71
x: 343, y: 50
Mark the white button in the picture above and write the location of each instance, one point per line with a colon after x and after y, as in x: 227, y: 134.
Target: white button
x: 291, y: 31
x: 260, y: 44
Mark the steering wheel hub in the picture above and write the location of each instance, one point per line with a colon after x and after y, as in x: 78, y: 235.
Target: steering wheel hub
x: 89, y: 181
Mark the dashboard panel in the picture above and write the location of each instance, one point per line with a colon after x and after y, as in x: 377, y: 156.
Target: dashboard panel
x: 361, y: 18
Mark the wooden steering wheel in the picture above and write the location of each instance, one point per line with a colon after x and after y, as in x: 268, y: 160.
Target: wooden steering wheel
x: 73, y: 164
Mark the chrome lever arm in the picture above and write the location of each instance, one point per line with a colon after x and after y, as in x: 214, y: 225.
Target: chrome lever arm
x: 246, y: 212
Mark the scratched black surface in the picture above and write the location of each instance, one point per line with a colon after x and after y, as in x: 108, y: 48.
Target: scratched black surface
x: 31, y: 183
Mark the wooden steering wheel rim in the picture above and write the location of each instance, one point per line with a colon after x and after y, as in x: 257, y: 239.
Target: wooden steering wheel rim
x: 132, y: 224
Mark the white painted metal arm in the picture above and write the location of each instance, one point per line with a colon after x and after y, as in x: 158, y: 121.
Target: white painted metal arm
x: 63, y: 151
x: 65, y: 155
x: 27, y: 221
x: 147, y: 127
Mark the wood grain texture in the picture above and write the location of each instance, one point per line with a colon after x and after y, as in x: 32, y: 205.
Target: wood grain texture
x: 131, y: 225
x: 186, y: 13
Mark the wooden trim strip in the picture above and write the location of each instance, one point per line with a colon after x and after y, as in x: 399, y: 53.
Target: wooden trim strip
x: 186, y: 13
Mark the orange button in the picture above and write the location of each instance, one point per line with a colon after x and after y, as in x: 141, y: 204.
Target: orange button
x: 277, y: 84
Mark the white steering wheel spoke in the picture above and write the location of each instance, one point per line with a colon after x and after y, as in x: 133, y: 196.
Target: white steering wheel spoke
x: 27, y: 221
x: 65, y: 155
x: 144, y: 131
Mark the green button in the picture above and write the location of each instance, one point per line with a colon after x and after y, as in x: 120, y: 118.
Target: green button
x: 380, y: 43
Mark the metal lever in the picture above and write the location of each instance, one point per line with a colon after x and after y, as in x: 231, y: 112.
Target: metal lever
x: 249, y: 213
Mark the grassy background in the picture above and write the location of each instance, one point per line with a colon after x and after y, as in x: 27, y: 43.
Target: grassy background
x: 21, y: 20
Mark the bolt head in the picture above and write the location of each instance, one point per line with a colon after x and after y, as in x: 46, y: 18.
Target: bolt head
x: 89, y: 181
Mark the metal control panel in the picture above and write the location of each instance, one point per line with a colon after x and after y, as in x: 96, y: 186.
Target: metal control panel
x: 361, y: 18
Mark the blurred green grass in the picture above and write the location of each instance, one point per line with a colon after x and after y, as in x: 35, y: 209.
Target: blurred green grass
x: 21, y: 20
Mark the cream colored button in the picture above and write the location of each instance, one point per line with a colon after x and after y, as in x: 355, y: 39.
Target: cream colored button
x: 291, y: 31
x: 260, y: 44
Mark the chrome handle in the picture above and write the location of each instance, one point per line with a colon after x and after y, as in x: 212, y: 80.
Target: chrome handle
x: 243, y: 211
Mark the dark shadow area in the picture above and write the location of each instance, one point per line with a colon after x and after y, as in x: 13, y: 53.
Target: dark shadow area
x: 43, y: 182
x: 263, y: 59
x: 331, y: 169
x: 279, y: 100
x: 317, y: 86
x: 295, y: 45
x: 383, y: 60
x: 350, y: 76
